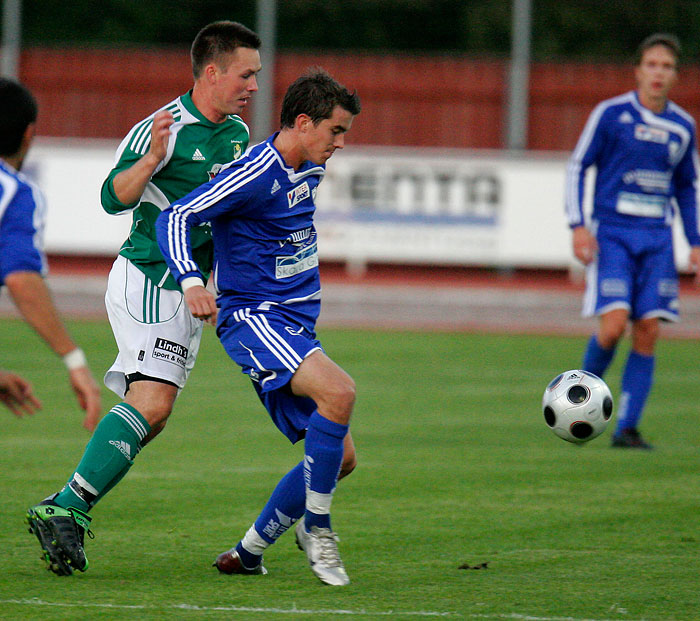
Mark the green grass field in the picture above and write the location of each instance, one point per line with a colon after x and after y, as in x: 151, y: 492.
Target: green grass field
x: 456, y: 468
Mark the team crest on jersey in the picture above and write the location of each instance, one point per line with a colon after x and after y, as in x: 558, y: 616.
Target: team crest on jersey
x: 237, y: 149
x: 625, y: 117
x: 298, y: 194
x: 673, y: 148
x: 214, y: 171
x: 650, y: 134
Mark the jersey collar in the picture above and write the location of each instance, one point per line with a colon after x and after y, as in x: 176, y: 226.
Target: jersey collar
x: 187, y: 102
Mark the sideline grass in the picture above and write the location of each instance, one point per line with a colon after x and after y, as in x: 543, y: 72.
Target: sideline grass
x: 456, y: 468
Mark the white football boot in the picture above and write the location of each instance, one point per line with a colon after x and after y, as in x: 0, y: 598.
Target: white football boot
x: 321, y: 547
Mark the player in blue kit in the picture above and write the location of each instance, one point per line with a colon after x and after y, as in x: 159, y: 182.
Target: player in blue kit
x: 23, y: 263
x: 644, y: 149
x: 261, y: 210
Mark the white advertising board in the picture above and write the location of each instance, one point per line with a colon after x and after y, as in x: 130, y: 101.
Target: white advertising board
x: 392, y: 205
x: 449, y: 207
x: 70, y: 174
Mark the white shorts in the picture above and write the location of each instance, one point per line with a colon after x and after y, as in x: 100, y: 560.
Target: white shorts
x: 155, y: 331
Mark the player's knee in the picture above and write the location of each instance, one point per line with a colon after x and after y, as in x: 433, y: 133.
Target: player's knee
x: 644, y: 337
x: 611, y: 334
x: 156, y: 414
x: 337, y: 400
x: 343, y: 396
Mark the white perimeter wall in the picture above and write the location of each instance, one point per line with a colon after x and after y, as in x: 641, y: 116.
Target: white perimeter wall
x: 375, y: 205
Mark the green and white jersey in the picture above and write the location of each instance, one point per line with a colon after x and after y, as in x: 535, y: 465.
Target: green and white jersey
x: 196, y: 151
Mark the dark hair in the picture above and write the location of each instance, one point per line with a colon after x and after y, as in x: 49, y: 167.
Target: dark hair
x: 316, y: 93
x: 18, y: 110
x: 218, y: 39
x: 669, y: 41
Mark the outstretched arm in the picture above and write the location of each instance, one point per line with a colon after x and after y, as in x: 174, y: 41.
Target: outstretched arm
x: 33, y: 300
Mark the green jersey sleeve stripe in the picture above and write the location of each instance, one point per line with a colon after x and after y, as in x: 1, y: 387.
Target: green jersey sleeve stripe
x: 173, y: 108
x: 143, y: 132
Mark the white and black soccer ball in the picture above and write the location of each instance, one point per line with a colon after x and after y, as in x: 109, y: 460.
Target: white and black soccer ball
x: 577, y: 406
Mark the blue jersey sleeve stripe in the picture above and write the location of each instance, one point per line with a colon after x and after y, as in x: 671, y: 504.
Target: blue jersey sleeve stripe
x: 8, y: 189
x: 177, y: 225
x: 576, y: 171
x: 232, y: 182
x: 181, y: 213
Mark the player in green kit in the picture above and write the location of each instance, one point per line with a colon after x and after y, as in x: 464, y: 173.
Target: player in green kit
x: 161, y: 159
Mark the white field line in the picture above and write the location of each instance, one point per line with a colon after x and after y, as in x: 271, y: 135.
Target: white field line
x: 295, y: 611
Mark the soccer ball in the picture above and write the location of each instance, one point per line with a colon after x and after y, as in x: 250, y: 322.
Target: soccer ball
x: 577, y: 406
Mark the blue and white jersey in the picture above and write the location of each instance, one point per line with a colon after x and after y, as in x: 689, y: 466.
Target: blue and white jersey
x: 22, y: 218
x: 261, y: 214
x: 643, y: 160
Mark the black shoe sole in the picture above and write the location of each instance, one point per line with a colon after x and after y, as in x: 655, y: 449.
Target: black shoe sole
x: 52, y: 555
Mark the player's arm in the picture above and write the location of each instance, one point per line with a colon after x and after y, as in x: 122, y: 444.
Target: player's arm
x: 16, y: 393
x: 583, y: 157
x: 21, y: 270
x: 124, y: 189
x: 34, y: 302
x: 173, y: 234
x: 685, y: 180
x: 173, y: 228
x: 584, y: 244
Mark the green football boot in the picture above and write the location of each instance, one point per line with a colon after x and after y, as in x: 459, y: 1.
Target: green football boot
x: 61, y: 534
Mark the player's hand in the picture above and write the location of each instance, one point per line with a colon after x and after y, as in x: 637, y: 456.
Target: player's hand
x: 694, y: 261
x: 160, y: 134
x: 202, y: 303
x: 585, y: 245
x: 88, y: 393
x: 16, y: 393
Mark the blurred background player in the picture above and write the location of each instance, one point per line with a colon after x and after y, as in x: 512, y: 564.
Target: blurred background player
x: 261, y: 210
x: 161, y: 159
x: 644, y: 149
x: 17, y: 394
x: 22, y: 259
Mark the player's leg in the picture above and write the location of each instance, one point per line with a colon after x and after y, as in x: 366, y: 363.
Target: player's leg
x: 333, y: 391
x: 285, y: 506
x: 144, y: 341
x: 282, y: 360
x: 601, y: 346
x: 637, y: 380
x: 609, y: 285
x: 656, y: 298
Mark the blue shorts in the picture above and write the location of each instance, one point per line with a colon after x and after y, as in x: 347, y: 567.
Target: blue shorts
x: 635, y: 270
x: 269, y: 347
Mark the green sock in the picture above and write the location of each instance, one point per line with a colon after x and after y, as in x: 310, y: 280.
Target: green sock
x: 107, y: 458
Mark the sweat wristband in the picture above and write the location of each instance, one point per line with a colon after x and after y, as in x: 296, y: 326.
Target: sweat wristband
x: 75, y: 359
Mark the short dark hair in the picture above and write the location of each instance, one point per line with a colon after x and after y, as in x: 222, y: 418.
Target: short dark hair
x: 669, y: 41
x: 317, y: 94
x: 218, y: 39
x: 18, y: 109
